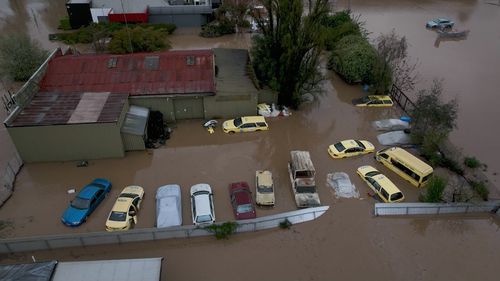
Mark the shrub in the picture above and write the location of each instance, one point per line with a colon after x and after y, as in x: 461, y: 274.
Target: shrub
x: 285, y: 224
x: 222, y: 231
x: 481, y: 189
x: 64, y: 24
x: 337, y: 19
x: 169, y: 28
x: 217, y: 29
x: 353, y: 59
x: 20, y: 56
x: 472, y: 162
x: 138, y: 39
x: 435, y: 188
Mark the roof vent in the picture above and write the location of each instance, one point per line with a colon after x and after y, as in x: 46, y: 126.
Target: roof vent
x: 152, y: 62
x: 112, y: 62
x: 190, y: 60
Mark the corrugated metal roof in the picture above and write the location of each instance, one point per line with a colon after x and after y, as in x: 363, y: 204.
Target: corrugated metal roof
x: 39, y: 271
x: 56, y: 108
x: 136, y: 74
x: 109, y: 270
x: 301, y: 160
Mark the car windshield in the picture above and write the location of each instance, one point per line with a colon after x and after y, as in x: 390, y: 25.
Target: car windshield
x: 245, y: 208
x: 265, y: 189
x: 117, y: 216
x: 203, y: 218
x: 365, y: 99
x: 80, y: 203
x: 396, y: 196
x: 339, y: 147
x: 372, y: 173
x: 360, y: 144
x: 128, y: 195
x: 237, y: 122
x: 306, y: 189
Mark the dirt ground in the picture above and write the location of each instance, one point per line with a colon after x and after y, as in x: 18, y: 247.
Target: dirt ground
x: 347, y: 243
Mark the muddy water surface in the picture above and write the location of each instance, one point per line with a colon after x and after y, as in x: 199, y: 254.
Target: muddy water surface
x: 347, y: 243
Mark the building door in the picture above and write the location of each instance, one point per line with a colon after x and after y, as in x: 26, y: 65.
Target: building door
x: 188, y: 108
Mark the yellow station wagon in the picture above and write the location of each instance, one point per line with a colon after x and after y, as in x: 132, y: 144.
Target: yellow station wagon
x: 380, y: 184
x: 373, y: 101
x: 245, y: 124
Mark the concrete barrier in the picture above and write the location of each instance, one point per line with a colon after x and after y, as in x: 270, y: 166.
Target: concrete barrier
x: 41, y: 243
x: 396, y: 209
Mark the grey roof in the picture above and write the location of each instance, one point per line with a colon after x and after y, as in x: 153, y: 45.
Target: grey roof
x: 110, y: 270
x: 38, y: 271
x: 135, y: 121
x: 136, y: 6
x: 301, y: 160
x: 232, y: 78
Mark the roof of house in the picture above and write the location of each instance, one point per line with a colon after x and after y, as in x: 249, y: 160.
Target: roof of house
x: 162, y: 73
x: 56, y: 108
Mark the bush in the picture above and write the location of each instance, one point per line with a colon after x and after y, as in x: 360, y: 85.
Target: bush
x: 472, y: 162
x: 64, y: 24
x: 20, y: 56
x: 217, y: 29
x: 222, y: 231
x: 285, y: 224
x: 353, y: 59
x: 138, y: 39
x: 481, y: 189
x: 435, y: 188
x: 337, y: 19
x: 169, y: 28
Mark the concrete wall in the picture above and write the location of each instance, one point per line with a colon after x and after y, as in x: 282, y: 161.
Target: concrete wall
x: 68, y: 142
x: 133, y: 142
x: 163, y: 104
x: 230, y: 106
x: 180, y: 20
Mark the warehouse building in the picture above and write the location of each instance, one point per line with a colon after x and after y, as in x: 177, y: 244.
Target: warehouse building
x: 97, y: 106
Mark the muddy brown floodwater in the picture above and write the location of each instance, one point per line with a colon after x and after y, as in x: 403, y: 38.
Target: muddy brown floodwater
x: 347, y: 243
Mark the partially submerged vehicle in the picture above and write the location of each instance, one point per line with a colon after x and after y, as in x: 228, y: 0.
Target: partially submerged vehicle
x: 302, y: 175
x: 264, y: 188
x: 168, y: 206
x: 440, y: 23
x: 373, y: 101
x: 390, y: 125
x: 396, y: 138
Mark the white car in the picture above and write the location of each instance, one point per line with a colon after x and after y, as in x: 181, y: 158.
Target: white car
x: 202, y: 204
x: 168, y: 206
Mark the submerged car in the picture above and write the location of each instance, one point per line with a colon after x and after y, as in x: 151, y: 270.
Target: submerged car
x: 264, y: 195
x: 245, y: 124
x: 202, y: 204
x: 168, y: 206
x: 85, y: 202
x: 373, y: 101
x: 349, y: 148
x: 440, y: 23
x: 380, y: 184
x: 241, y: 200
x: 123, y: 215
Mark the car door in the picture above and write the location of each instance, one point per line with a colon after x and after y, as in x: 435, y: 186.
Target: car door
x: 132, y: 212
x: 247, y: 127
x: 233, y: 202
x: 373, y: 184
x: 137, y: 202
x: 99, y: 195
x: 351, y: 152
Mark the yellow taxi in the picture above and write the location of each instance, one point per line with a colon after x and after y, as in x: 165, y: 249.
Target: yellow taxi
x: 245, y: 124
x: 123, y: 215
x: 264, y: 195
x: 374, y: 101
x: 349, y: 148
x: 380, y: 184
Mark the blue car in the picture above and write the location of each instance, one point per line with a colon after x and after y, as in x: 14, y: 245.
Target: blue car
x: 85, y: 202
x: 440, y: 23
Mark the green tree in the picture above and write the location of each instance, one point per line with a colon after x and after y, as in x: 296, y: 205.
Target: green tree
x: 433, y: 120
x: 20, y: 56
x: 138, y: 39
x: 286, y: 56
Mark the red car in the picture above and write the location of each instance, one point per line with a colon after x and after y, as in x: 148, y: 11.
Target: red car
x: 241, y: 199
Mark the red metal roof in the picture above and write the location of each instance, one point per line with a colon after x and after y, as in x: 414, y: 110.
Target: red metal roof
x: 57, y: 108
x: 163, y: 73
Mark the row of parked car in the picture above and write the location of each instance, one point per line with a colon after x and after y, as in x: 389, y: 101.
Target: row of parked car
x: 123, y: 215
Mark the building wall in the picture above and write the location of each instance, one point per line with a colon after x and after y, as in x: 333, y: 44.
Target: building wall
x: 133, y: 142
x: 230, y: 106
x: 163, y: 104
x: 68, y: 142
x: 194, y: 20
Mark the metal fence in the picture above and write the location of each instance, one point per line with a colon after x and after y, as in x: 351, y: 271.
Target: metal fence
x: 396, y: 209
x: 149, y: 234
x: 402, y: 99
x: 9, y: 177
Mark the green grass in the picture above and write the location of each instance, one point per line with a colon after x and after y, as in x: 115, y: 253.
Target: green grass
x: 481, y: 189
x: 472, y: 162
x: 222, y: 231
x: 435, y: 188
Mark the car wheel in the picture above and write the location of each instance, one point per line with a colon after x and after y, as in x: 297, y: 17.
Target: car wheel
x: 231, y: 132
x: 377, y: 158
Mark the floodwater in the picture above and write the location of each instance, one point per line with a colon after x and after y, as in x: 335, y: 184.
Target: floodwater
x: 347, y: 243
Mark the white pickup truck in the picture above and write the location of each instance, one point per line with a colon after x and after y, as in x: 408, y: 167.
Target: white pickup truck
x: 302, y: 174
